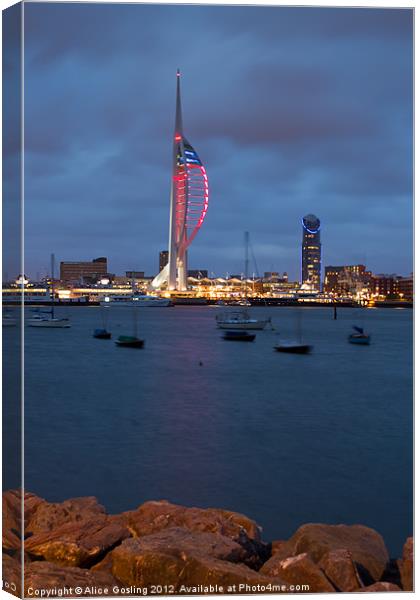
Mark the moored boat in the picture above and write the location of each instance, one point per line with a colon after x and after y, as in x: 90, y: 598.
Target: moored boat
x: 46, y: 318
x: 239, y: 336
x: 359, y: 337
x: 129, y: 341
x: 136, y: 301
x: 102, y: 334
x: 240, y: 320
x: 293, y: 348
x: 8, y: 320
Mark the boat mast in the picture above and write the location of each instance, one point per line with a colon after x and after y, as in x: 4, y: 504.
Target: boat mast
x: 246, y: 264
x: 52, y: 286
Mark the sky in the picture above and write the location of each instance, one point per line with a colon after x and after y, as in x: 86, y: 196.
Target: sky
x: 292, y: 110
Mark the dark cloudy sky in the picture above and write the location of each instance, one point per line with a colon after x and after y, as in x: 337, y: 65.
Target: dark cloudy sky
x: 293, y: 110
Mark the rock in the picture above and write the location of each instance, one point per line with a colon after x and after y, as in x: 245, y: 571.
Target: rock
x: 12, y: 573
x: 298, y: 570
x: 154, y: 516
x: 77, y: 543
x: 340, y: 569
x: 48, y: 576
x: 178, y: 539
x: 145, y: 562
x: 12, y: 526
x: 365, y: 544
x: 381, y: 586
x: 406, y: 566
x: 50, y: 515
x: 281, y: 547
x: 151, y: 517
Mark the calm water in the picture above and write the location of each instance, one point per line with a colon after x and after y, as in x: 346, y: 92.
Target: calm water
x: 284, y: 439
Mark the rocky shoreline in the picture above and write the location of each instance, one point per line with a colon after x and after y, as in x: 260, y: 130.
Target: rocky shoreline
x: 75, y: 549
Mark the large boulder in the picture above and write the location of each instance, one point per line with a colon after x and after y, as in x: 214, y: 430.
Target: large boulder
x: 185, y: 561
x: 339, y: 567
x: 298, y: 570
x: 178, y: 539
x: 155, y: 516
x: 406, y: 566
x: 77, y: 544
x: 53, y: 578
x: 365, y: 544
x: 12, y: 573
x: 48, y: 516
x: 12, y: 516
x: 12, y: 521
x: 381, y: 586
x: 151, y: 517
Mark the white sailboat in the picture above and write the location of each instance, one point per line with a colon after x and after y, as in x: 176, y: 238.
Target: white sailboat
x: 46, y: 318
x: 241, y: 319
x: 8, y: 320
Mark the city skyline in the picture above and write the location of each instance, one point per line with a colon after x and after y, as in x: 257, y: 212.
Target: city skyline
x: 316, y: 119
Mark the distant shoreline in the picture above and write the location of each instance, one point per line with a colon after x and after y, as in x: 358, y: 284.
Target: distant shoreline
x: 267, y: 303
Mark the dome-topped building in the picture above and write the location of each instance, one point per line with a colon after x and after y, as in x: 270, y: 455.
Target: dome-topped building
x: 311, y: 252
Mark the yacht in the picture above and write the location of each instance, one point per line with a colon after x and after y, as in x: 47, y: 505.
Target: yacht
x: 47, y: 319
x: 135, y: 300
x: 8, y: 320
x: 240, y: 320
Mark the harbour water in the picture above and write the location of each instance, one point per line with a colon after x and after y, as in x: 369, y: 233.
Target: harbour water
x: 285, y: 439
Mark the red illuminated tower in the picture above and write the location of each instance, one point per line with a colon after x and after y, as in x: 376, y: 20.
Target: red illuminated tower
x: 188, y: 203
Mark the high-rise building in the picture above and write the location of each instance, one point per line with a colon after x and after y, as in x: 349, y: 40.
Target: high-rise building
x: 163, y: 259
x: 311, y: 252
x: 188, y: 203
x: 78, y: 271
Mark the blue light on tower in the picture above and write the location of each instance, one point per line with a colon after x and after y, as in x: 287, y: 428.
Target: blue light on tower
x: 311, y: 252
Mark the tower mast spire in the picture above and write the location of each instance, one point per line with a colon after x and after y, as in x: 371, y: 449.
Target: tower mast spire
x: 189, y: 201
x: 178, y: 114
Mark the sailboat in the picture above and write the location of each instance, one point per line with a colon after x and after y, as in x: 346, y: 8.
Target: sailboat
x: 131, y: 341
x: 8, y: 320
x: 294, y: 346
x: 46, y: 318
x: 101, y: 333
x: 241, y: 319
x: 359, y: 337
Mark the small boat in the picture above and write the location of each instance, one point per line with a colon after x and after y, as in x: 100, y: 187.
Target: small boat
x: 129, y: 341
x: 136, y: 300
x: 239, y: 336
x: 8, y: 320
x: 46, y: 318
x: 102, y: 334
x: 240, y: 320
x: 293, y: 348
x: 359, y: 337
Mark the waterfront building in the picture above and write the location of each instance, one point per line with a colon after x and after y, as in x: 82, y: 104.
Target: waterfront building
x: 134, y: 274
x: 348, y: 280
x: 77, y: 271
x: 188, y: 204
x: 385, y: 286
x: 405, y: 287
x: 272, y: 275
x: 311, y: 252
x: 163, y: 259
